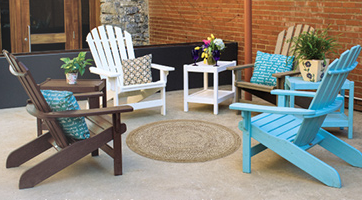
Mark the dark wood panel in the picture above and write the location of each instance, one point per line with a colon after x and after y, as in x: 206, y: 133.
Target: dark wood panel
x: 19, y: 22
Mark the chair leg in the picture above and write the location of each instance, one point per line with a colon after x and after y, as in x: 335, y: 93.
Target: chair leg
x: 117, y: 143
x: 163, y: 97
x: 29, y: 151
x: 95, y: 153
x: 341, y: 149
x: 246, y: 152
x: 245, y: 126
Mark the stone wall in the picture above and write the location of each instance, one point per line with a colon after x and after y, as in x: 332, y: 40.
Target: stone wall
x: 130, y: 15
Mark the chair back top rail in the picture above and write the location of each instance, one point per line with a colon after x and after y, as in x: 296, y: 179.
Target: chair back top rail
x: 109, y: 46
x: 32, y: 89
x: 326, y: 93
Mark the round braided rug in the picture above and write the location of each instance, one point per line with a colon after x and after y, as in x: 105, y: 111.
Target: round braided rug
x: 183, y: 141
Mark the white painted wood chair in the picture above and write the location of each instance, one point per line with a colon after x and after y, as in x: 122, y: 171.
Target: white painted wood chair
x: 110, y: 45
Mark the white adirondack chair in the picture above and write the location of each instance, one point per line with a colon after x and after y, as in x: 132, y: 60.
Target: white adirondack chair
x: 108, y: 47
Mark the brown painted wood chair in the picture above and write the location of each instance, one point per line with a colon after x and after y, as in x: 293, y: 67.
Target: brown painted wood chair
x: 102, y: 128
x: 263, y: 91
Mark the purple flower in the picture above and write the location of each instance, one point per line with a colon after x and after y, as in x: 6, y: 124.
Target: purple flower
x: 322, y: 75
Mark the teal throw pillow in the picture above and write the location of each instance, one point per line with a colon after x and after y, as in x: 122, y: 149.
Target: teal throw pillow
x: 74, y: 127
x: 267, y: 64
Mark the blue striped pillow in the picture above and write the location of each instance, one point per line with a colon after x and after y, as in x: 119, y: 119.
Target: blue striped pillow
x: 267, y: 64
x: 74, y: 127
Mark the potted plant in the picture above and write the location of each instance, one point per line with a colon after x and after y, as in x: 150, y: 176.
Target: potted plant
x: 72, y: 67
x: 310, y: 51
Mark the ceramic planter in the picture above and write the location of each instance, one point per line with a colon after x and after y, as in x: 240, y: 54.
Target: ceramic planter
x: 71, y: 78
x: 313, y: 70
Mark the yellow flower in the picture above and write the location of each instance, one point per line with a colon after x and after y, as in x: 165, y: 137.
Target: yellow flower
x: 212, y: 36
x: 208, y: 38
x: 197, y: 48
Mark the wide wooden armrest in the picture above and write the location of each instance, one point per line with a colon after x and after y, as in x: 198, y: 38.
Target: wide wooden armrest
x: 271, y: 109
x: 102, y: 72
x: 162, y: 67
x: 284, y: 74
x: 76, y: 113
x: 240, y: 67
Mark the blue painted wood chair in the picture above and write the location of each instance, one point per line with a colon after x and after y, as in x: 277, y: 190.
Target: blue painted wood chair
x: 278, y: 128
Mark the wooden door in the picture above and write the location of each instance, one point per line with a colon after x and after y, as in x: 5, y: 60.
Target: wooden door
x: 30, y: 18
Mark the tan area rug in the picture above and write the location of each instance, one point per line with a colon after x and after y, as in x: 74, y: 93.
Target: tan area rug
x: 183, y: 141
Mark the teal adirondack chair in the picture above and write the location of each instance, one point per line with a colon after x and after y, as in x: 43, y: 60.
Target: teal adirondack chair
x: 278, y: 128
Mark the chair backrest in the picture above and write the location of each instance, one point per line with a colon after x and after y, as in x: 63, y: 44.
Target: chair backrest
x: 110, y: 45
x: 284, y: 43
x: 19, y: 70
x: 327, y: 92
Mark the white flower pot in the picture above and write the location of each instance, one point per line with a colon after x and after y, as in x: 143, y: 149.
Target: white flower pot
x: 313, y: 70
x: 71, y: 78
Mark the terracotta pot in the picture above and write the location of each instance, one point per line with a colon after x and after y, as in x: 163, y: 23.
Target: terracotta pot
x: 313, y: 70
x: 71, y: 78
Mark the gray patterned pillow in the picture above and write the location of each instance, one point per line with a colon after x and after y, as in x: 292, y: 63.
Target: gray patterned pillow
x: 137, y: 71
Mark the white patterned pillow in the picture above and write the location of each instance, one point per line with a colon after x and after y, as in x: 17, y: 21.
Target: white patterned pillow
x: 268, y: 64
x: 137, y: 71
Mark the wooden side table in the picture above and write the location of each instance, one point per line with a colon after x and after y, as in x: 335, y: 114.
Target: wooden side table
x: 208, y: 96
x: 92, y: 89
x: 336, y: 119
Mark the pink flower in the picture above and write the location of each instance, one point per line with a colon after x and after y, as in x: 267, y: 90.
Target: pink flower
x: 206, y: 42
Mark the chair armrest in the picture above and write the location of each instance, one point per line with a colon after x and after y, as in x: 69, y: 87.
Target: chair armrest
x: 162, y: 67
x: 284, y: 74
x: 271, y: 109
x: 76, y: 113
x: 102, y: 72
x: 292, y: 93
x: 240, y: 67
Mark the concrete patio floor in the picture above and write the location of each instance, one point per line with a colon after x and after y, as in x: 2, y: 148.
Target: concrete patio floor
x: 272, y: 177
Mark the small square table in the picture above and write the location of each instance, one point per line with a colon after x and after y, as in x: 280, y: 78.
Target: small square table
x: 82, y: 86
x: 208, y: 96
x: 336, y: 119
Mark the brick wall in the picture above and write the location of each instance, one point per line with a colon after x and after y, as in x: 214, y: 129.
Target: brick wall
x: 173, y: 21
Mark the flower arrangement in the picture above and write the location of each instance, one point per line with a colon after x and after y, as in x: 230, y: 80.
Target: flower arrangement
x: 211, y: 49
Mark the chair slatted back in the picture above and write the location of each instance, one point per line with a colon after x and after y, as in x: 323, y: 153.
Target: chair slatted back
x: 109, y: 45
x: 327, y: 92
x: 32, y: 89
x: 284, y: 47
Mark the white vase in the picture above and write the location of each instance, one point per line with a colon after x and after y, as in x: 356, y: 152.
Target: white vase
x: 71, y: 78
x: 313, y: 70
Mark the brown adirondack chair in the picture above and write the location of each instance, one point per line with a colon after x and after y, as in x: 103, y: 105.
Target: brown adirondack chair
x: 263, y: 91
x: 102, y: 131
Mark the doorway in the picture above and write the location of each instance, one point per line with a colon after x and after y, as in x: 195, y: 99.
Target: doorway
x: 43, y: 25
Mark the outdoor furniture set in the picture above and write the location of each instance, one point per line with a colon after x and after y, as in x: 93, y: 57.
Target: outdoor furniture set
x: 277, y: 128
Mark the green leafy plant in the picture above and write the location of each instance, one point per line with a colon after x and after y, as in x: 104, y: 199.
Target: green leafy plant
x: 77, y: 64
x: 314, y: 45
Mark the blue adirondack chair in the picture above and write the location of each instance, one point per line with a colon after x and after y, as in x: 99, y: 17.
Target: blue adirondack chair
x: 278, y: 128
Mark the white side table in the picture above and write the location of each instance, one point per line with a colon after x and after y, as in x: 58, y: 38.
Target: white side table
x: 336, y: 119
x: 208, y: 96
